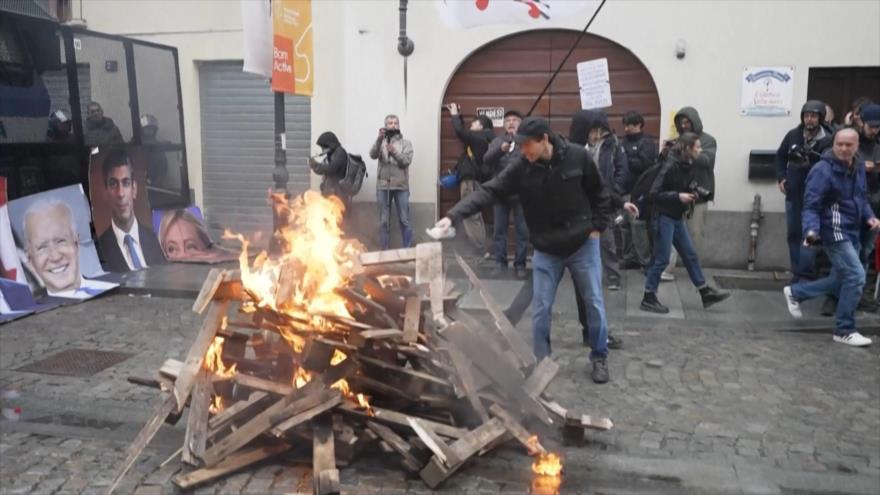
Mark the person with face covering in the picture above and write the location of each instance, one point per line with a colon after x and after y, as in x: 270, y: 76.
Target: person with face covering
x: 801, y: 148
x: 331, y: 165
x: 673, y: 198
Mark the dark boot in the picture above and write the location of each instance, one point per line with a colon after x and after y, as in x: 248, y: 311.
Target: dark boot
x: 652, y: 304
x: 711, y: 296
x: 615, y: 342
x: 600, y: 371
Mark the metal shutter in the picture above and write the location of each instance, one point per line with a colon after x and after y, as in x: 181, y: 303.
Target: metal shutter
x: 237, y: 112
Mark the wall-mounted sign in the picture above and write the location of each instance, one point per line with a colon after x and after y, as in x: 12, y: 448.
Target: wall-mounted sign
x: 494, y: 113
x: 594, y: 83
x: 767, y: 91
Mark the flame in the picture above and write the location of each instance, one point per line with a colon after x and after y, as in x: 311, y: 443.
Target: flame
x: 548, y: 464
x: 342, y: 386
x: 338, y: 357
x: 216, y: 406
x: 214, y: 361
x: 316, y: 260
x: 365, y: 404
x: 301, y: 377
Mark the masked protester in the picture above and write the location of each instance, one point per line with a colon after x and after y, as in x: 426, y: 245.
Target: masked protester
x: 331, y: 165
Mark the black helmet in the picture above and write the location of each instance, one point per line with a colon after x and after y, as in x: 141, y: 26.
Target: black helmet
x: 814, y: 106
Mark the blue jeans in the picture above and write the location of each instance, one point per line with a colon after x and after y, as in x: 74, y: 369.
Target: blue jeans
x: 846, y: 280
x: 800, y: 256
x: 502, y: 211
x: 585, y: 266
x: 400, y: 197
x: 670, y: 232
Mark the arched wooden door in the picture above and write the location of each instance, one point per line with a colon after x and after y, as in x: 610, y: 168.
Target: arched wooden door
x: 512, y: 71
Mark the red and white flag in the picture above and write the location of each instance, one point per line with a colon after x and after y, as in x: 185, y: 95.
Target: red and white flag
x: 463, y: 14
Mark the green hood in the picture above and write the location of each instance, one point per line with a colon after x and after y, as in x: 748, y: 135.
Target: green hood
x: 692, y: 115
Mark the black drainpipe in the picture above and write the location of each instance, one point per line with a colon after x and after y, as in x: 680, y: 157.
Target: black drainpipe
x: 405, y: 46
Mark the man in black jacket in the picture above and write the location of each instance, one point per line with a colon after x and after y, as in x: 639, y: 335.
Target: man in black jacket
x: 801, y: 148
x: 471, y: 170
x: 566, y: 206
x: 331, y: 164
x: 641, y: 153
x: 503, y: 152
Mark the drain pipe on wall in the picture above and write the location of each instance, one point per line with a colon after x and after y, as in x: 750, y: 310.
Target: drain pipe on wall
x: 753, y: 231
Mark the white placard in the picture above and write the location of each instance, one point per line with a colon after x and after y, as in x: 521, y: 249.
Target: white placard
x: 767, y: 91
x: 594, y: 83
x: 494, y: 113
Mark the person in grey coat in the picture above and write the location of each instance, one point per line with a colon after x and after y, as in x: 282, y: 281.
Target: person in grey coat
x: 395, y: 154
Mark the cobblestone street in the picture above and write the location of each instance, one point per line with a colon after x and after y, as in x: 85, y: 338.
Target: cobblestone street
x: 726, y: 409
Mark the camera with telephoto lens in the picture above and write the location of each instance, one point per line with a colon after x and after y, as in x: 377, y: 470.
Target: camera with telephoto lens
x: 390, y: 133
x: 801, y: 154
x: 699, y: 191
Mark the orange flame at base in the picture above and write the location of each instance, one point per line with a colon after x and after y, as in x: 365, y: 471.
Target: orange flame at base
x: 214, y: 362
x: 548, y: 464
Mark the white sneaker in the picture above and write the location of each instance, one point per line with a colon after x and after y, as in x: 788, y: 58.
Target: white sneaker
x: 667, y: 277
x: 854, y: 339
x: 794, y: 307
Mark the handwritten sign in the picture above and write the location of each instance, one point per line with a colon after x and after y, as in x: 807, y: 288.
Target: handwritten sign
x: 594, y: 83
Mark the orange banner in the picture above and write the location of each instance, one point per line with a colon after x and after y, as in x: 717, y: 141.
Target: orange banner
x: 292, y: 53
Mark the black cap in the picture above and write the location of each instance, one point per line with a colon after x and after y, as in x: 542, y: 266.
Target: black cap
x: 532, y: 128
x: 515, y: 113
x: 870, y: 115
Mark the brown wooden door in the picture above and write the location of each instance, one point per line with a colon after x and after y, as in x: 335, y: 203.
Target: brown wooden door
x: 512, y: 71
x: 841, y: 86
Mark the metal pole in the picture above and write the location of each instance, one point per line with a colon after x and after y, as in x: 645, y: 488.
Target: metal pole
x: 280, y: 174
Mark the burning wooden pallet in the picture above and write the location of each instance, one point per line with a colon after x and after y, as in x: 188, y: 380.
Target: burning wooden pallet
x: 387, y: 361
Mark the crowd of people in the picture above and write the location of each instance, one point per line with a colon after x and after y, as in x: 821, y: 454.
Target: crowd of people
x: 568, y: 196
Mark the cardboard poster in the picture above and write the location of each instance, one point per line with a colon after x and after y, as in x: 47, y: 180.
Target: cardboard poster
x: 767, y: 91
x: 57, y: 253
x: 292, y: 53
x: 594, y: 83
x: 121, y: 209
x: 494, y: 113
x: 185, y: 238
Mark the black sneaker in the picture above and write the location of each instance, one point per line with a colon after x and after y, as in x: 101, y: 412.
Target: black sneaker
x: 615, y: 342
x: 651, y: 304
x: 600, y: 371
x: 711, y: 296
x: 631, y: 265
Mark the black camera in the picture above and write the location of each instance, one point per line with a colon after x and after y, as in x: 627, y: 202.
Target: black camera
x: 699, y: 191
x: 801, y: 154
x: 390, y: 133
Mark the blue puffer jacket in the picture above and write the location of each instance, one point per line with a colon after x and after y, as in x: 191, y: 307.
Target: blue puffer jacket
x: 835, y: 200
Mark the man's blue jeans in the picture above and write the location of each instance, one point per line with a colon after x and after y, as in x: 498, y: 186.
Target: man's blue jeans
x: 800, y: 256
x: 400, y: 197
x: 670, y: 232
x: 846, y: 280
x: 585, y: 266
x: 502, y: 211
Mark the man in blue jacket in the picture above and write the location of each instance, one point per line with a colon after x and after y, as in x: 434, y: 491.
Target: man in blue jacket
x: 835, y: 210
x: 801, y: 148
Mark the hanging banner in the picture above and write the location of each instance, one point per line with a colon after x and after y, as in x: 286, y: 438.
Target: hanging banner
x: 292, y: 53
x: 256, y: 23
x: 458, y: 14
x: 767, y: 91
x: 594, y: 84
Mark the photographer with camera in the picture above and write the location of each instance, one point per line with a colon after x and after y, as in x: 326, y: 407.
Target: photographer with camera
x: 836, y: 210
x: 801, y: 148
x: 394, y: 154
x: 675, y: 191
x: 331, y: 164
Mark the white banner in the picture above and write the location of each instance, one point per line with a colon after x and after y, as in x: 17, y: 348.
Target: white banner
x: 462, y: 14
x: 594, y: 83
x: 256, y: 23
x: 767, y: 91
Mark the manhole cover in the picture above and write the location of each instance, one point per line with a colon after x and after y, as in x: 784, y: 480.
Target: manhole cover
x: 747, y: 283
x: 76, y: 362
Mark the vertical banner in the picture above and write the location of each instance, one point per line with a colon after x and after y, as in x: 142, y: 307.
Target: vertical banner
x: 256, y: 23
x: 292, y: 54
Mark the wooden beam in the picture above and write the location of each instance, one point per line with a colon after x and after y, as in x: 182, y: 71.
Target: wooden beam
x: 516, y: 429
x: 235, y: 411
x: 316, y: 355
x: 435, y: 472
x: 429, y: 270
x: 196, y: 356
x: 514, y: 339
x: 305, y: 413
x: 261, y: 384
x: 399, y: 419
x: 162, y: 407
x: 541, y: 377
x: 325, y: 476
x: 171, y: 368
x: 433, y: 441
x: 466, y: 377
x: 197, y: 420
x: 413, y: 381
x: 209, y: 288
x: 229, y: 465
x: 411, y: 316
x: 387, y: 256
x: 360, y: 339
x: 397, y: 444
x: 492, y: 336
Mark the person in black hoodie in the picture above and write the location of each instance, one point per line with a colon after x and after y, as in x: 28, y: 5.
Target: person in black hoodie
x: 331, y: 165
x: 641, y: 153
x: 470, y: 168
x: 566, y: 207
x: 801, y: 148
x: 673, y: 197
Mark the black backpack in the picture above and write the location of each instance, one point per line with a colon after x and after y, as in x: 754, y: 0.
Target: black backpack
x: 642, y: 187
x: 355, y: 171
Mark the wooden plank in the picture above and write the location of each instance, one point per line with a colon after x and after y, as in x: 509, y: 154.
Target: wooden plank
x: 197, y: 420
x: 541, y: 377
x: 387, y: 256
x: 491, y: 336
x: 433, y: 442
x: 411, y: 316
x: 196, y: 356
x: 508, y: 378
x: 516, y: 429
x: 399, y: 419
x: 171, y: 368
x: 162, y: 407
x: 229, y: 465
x: 234, y: 412
x: 209, y: 288
x: 517, y: 343
x: 429, y: 270
x: 435, y: 472
x: 305, y: 415
x: 360, y: 339
x: 466, y: 377
x: 261, y: 384
x: 413, y: 380
x: 397, y: 444
x: 587, y: 421
x: 325, y: 476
